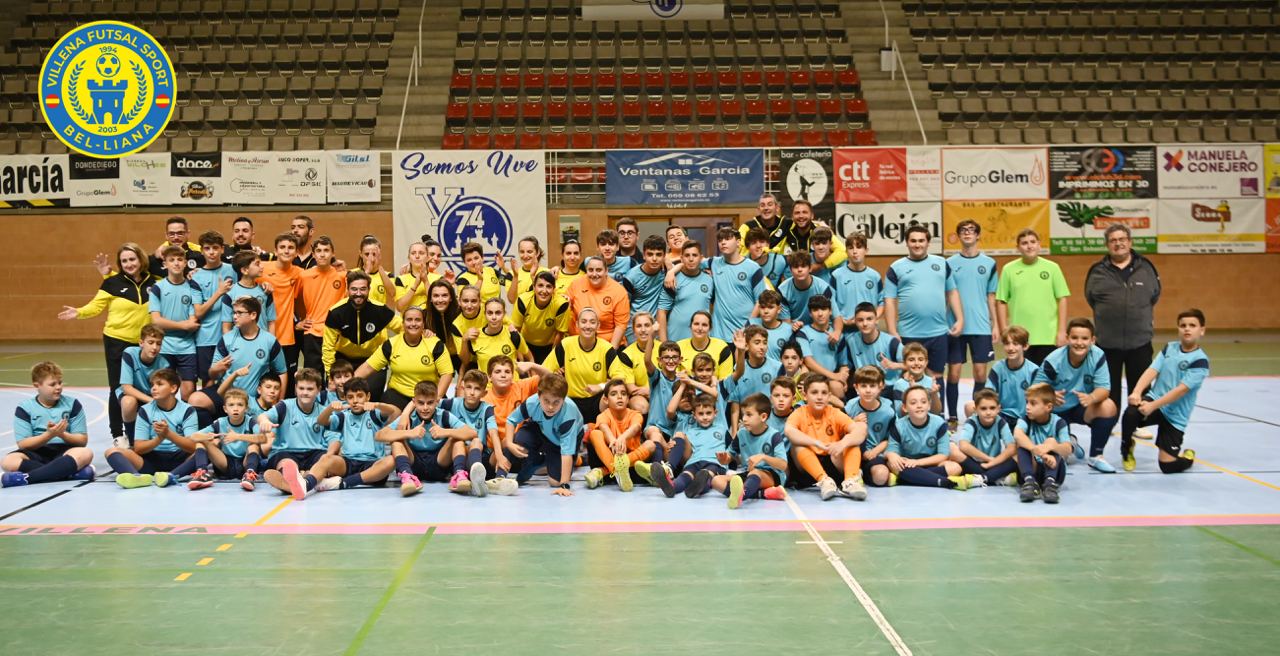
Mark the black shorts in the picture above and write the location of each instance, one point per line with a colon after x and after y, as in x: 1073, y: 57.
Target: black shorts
x: 427, y: 468
x: 234, y: 471
x: 46, y: 454
x: 162, y: 461
x: 1168, y: 437
x: 358, y: 466
x: 937, y: 348
x: 704, y: 465
x: 800, y: 479
x: 978, y: 346
x: 204, y: 360
x: 184, y: 364
x: 305, y: 459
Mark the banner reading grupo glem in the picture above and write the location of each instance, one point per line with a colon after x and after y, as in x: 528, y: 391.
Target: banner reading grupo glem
x: 805, y: 174
x: 995, y: 173
x: 492, y: 197
x: 684, y: 178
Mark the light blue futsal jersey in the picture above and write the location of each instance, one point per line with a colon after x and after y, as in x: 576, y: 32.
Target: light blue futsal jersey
x: 778, y: 423
x: 481, y: 418
x: 822, y: 272
x: 563, y: 428
x: 133, y: 371
x: 706, y: 442
x: 921, y: 288
x: 911, y: 441
x: 795, y: 301
x: 736, y: 288
x: 901, y: 385
x: 238, y: 291
x: 975, y: 277
x: 778, y: 337
x: 32, y: 418
x: 357, y: 431
x: 775, y: 269
x: 1176, y: 367
x: 1092, y: 374
x: 223, y: 425
x: 660, y: 390
x: 990, y: 440
x: 878, y: 420
x: 297, y: 430
x: 692, y: 293
x: 211, y: 322
x: 859, y: 353
x: 771, y: 442
x: 621, y: 265
x: 263, y: 354
x: 1011, y: 385
x: 181, y: 419
x: 755, y: 380
x: 853, y: 287
x: 645, y: 291
x: 442, y: 418
x: 815, y: 343
x: 1056, y: 427
x: 176, y: 303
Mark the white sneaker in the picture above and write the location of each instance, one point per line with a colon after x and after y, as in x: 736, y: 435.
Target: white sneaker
x: 1143, y: 434
x: 120, y: 442
x: 327, y: 484
x: 854, y: 489
x: 501, y: 486
x: 827, y: 489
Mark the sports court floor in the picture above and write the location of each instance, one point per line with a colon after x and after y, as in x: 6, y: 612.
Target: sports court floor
x: 1127, y: 563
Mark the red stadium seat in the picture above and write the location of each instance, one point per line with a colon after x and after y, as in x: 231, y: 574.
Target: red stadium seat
x: 812, y: 139
x: 681, y: 111
x: 731, y: 112
x: 658, y: 140
x: 558, y: 84
x: 631, y: 83
x: 727, y: 83
x: 507, y: 113
x: 801, y: 81
x: 509, y: 84
x: 583, y: 111
x: 865, y: 138
x: 678, y: 83
x: 855, y: 109
x: 706, y: 111
x: 531, y: 113
x: 504, y: 141
x: 582, y: 141
x: 710, y: 139
x: 477, y: 141
x: 534, y: 84
x: 482, y: 114
x: 606, y: 84
x: 761, y: 139
x: 780, y: 110
x: 824, y: 81
x: 757, y: 110
x: 830, y: 109
x: 530, y: 141
x: 556, y: 141
x: 460, y: 85
x: 485, y: 83
x: 806, y: 110
x: 557, y: 113
x: 607, y: 140
x: 633, y: 140
x: 655, y: 83
x: 838, y: 139
x: 737, y: 140
x: 632, y: 112
x: 583, y: 83
x: 455, y: 115
x: 606, y: 112
x: 775, y: 81
x: 557, y: 175
x: 848, y: 81
x: 656, y: 111
x: 704, y: 82
x: 686, y: 140
x: 752, y: 82
x: 788, y: 139
x: 453, y: 142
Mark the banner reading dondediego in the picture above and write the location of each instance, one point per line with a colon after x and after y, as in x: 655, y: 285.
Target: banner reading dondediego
x: 1102, y: 172
x: 33, y: 181
x: 1078, y: 226
x: 457, y: 196
x: 806, y: 175
x: 94, y: 182
x: 684, y: 178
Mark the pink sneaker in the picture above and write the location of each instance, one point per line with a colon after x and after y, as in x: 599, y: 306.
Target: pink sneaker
x: 460, y: 483
x: 409, y: 484
x: 775, y: 493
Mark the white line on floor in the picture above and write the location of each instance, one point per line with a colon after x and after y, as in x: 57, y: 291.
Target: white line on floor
x: 863, y: 598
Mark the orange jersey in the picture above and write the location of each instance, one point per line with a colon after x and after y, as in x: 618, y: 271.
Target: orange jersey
x: 284, y: 290
x: 831, y: 425
x: 611, y: 303
x: 630, y: 418
x: 519, y: 391
x: 321, y: 290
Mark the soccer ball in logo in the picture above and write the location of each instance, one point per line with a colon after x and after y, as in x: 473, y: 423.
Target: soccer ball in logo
x: 108, y: 64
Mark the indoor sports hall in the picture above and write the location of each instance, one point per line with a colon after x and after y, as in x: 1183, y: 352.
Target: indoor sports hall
x: 1133, y: 144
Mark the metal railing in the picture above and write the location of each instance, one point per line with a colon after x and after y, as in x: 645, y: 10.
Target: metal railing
x: 897, y: 55
x: 415, y: 65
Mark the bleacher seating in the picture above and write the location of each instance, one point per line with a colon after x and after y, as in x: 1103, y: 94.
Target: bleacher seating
x: 1089, y: 71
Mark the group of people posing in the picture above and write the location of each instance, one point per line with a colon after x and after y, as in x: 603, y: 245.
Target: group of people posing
x: 783, y: 360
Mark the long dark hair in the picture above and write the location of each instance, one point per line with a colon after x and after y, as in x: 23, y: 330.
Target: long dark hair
x: 441, y: 322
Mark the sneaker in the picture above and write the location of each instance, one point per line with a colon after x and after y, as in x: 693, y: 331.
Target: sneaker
x: 1010, y: 481
x: 409, y: 484
x: 1100, y: 465
x: 120, y: 442
x: 662, y: 479
x: 666, y: 467
x: 827, y: 488
x: 247, y: 481
x: 162, y: 479
x: 1189, y: 454
x: 1143, y: 434
x: 1076, y: 450
x: 200, y: 480
x: 893, y: 479
x: 86, y: 473
x: 699, y: 484
x: 1029, y: 491
x: 460, y: 482
x: 644, y: 471
x: 293, y: 480
x: 952, y: 424
x: 854, y: 489
x: 775, y: 493
x: 476, y: 476
x: 132, y: 481
x: 328, y: 483
x: 595, y: 478
x: 735, y: 492
x: 504, y: 486
x: 967, y: 481
x: 13, y: 479
x: 622, y: 472
x: 1129, y: 462
x: 1050, y: 491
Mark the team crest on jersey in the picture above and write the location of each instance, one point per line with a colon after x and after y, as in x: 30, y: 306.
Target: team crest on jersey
x: 742, y: 276
x: 704, y: 289
x: 767, y: 378
x: 877, y: 427
x: 186, y: 300
x: 932, y: 442
x: 548, y: 322
x: 608, y: 300
x: 595, y: 366
x: 1044, y: 275
x: 1182, y: 366
x: 1088, y: 381
x: 261, y: 354
x: 936, y: 267
x: 337, y: 284
x: 107, y: 89
x: 871, y: 284
x: 506, y: 349
x: 369, y: 327
x: 1026, y: 384
x: 830, y: 431
x: 425, y: 360
x: 982, y: 270
x: 459, y: 218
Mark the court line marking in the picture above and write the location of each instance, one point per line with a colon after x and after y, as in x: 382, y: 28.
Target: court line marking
x: 401, y: 574
x: 1249, y: 550
x: 47, y: 499
x: 261, y: 520
x: 868, y: 605
x: 1222, y: 469
x: 1233, y: 414
x: 182, y: 577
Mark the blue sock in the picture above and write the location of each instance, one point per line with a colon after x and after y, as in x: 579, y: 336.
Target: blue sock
x: 473, y: 456
x: 953, y: 399
x: 253, y: 461
x: 402, y: 464
x: 979, y: 385
x: 682, y: 481
x: 121, y: 464
x: 60, y: 468
x: 203, y: 417
x: 310, y: 480
x: 351, y: 480
x: 28, y: 466
x: 202, y: 459
x: 751, y: 487
x: 676, y: 456
x: 459, y: 462
x: 1099, y: 433
x: 659, y: 454
x: 187, y: 467
x: 128, y: 430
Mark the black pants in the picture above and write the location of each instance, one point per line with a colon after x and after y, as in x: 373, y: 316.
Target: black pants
x: 113, y: 349
x: 1038, y: 352
x: 377, y: 380
x: 291, y: 363
x: 1132, y: 361
x: 311, y: 352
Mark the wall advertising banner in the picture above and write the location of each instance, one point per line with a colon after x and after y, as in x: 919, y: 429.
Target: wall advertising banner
x: 354, y: 176
x: 885, y: 224
x: 94, y: 182
x: 144, y: 179
x: 1271, y: 169
x: 1236, y: 225
x: 195, y: 178
x: 924, y: 173
x: 1077, y: 226
x: 1102, y: 172
x: 458, y: 196
x: 1273, y: 225
x: 1209, y: 171
x: 249, y: 178
x: 884, y: 175
x: 684, y: 178
x: 1001, y: 221
x: 995, y: 173
x: 34, y: 181
x: 300, y: 178
x: 806, y: 175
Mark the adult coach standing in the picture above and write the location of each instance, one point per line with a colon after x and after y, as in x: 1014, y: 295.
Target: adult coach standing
x: 1033, y: 294
x: 1123, y: 289
x: 918, y: 290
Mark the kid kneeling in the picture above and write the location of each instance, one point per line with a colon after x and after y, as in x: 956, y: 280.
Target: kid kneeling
x: 550, y: 434
x: 1044, y: 442
x: 1172, y: 380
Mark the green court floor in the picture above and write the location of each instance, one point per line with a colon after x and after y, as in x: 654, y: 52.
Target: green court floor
x: 1181, y: 590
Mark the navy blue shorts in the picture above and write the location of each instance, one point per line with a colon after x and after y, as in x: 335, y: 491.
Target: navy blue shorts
x: 46, y: 454
x: 868, y: 463
x: 427, y: 468
x: 1073, y: 415
x: 234, y: 471
x: 357, y: 466
x: 305, y: 459
x: 937, y: 348
x: 979, y: 348
x: 204, y: 360
x: 162, y: 461
x: 704, y: 465
x: 184, y: 364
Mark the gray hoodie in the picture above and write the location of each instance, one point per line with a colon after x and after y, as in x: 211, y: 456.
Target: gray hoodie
x: 1123, y: 309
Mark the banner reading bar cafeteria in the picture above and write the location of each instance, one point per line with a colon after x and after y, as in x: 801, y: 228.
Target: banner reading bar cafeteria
x: 684, y: 178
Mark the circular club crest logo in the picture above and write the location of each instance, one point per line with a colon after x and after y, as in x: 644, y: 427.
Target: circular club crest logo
x: 595, y: 366
x: 186, y: 300
x: 936, y: 267
x: 473, y: 218
x: 871, y: 284
x: 982, y: 270
x: 1044, y: 275
x: 664, y: 8
x: 107, y: 89
x: 261, y: 354
x: 425, y: 360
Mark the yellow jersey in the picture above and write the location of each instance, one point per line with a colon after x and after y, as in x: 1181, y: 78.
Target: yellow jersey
x: 506, y: 342
x: 565, y: 279
x: 489, y: 281
x: 584, y: 367
x: 126, y: 303
x: 720, y: 351
x: 538, y: 324
x: 426, y: 360
x: 634, y: 356
x: 405, y: 282
x: 526, y: 279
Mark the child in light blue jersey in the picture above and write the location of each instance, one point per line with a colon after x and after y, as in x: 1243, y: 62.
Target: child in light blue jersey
x: 1082, y: 384
x: 643, y: 283
x: 820, y: 243
x: 737, y: 282
x: 919, y: 448
x: 248, y: 268
x: 758, y: 452
x: 976, y: 280
x: 51, y: 433
x: 550, y: 432
x: 984, y: 445
x: 915, y: 361
x: 177, y: 305
x: 707, y: 437
x: 137, y: 363
x: 421, y: 442
x: 753, y: 372
x: 1010, y: 377
x: 799, y: 288
x: 780, y: 332
x: 227, y: 448
x: 856, y: 283
x: 688, y: 290
x: 1043, y: 441
x: 468, y: 458
x: 161, y: 439
x: 1166, y: 394
x: 772, y: 265
x: 782, y: 402
x: 215, y: 279
x: 295, y: 439
x: 659, y: 427
x: 820, y: 344
x: 869, y: 346
x: 879, y: 412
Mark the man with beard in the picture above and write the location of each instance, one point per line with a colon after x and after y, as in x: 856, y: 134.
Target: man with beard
x: 304, y: 229
x: 242, y: 240
x: 800, y: 235
x: 769, y: 221
x: 356, y: 328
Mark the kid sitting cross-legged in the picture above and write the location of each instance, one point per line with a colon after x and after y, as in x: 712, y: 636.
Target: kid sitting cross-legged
x: 223, y: 447
x: 985, y: 443
x: 706, y: 439
x: 760, y: 454
x: 615, y: 441
x: 421, y: 439
x: 826, y: 443
x: 51, y: 433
